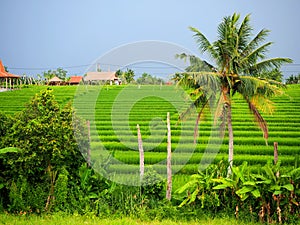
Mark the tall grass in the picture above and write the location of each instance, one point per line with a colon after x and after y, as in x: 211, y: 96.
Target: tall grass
x: 60, y: 219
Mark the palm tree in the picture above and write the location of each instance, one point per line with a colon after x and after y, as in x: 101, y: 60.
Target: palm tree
x: 237, y: 58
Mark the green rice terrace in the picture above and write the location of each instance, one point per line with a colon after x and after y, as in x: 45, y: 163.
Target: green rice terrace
x: 114, y: 134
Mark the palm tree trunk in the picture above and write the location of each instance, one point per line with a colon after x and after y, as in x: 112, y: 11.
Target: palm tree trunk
x: 230, y: 137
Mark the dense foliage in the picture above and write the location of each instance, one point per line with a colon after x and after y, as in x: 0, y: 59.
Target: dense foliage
x: 293, y: 79
x: 149, y: 79
x: 73, y: 187
x: 44, y: 133
x: 270, y: 195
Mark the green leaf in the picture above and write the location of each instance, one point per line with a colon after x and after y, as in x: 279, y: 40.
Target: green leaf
x: 221, y: 186
x: 289, y: 187
x: 9, y: 149
x: 194, y: 195
x: 256, y: 193
x: 188, y: 185
x: 244, y: 190
x: 275, y: 187
x: 93, y: 195
x: 251, y: 183
x: 243, y: 198
x: 278, y: 192
x: 184, y: 202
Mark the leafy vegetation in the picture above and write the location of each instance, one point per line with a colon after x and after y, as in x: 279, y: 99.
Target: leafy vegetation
x: 272, y: 194
x: 293, y: 79
x: 59, y: 219
x: 149, y: 79
x: 91, y: 194
x: 44, y: 135
x: 44, y: 144
x: 238, y: 58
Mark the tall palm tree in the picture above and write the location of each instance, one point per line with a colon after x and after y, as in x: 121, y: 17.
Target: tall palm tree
x: 237, y: 58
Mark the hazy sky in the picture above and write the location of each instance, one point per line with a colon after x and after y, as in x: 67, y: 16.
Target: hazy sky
x: 50, y: 34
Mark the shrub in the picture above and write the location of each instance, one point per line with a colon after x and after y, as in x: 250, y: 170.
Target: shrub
x: 45, y: 133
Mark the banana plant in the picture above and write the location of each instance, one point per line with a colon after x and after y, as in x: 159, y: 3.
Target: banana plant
x: 200, y: 185
x: 274, y: 186
x: 234, y: 181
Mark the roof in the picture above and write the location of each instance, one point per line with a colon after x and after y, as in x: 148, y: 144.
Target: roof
x: 100, y: 76
x: 4, y: 74
x: 75, y: 79
x: 55, y: 79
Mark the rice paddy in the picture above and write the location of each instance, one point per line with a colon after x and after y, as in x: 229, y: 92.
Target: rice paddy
x: 114, y: 112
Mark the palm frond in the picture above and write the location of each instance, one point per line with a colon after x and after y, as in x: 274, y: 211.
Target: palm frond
x: 269, y: 64
x: 260, y: 37
x: 244, y: 33
x: 199, y: 102
x: 203, y: 44
x: 209, y: 81
x: 255, y: 55
x: 196, y: 64
x: 198, y: 120
x: 183, y: 56
x: 247, y: 63
x: 253, y: 86
x: 259, y: 119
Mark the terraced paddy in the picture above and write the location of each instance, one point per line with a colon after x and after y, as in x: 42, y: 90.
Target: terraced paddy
x: 115, y: 111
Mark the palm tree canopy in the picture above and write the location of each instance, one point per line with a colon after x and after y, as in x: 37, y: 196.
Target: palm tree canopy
x: 238, y: 59
x: 235, y: 52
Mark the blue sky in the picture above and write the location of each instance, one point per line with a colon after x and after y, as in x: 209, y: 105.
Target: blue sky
x: 51, y: 34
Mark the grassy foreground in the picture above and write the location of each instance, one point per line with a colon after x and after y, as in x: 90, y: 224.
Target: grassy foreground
x: 57, y: 219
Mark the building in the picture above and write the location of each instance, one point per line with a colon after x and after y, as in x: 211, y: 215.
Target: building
x: 7, y: 79
x: 55, y: 81
x: 98, y: 77
x: 75, y: 80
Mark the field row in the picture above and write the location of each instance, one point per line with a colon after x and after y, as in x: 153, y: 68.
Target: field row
x: 114, y: 112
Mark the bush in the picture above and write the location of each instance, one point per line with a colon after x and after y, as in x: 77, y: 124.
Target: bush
x: 45, y: 133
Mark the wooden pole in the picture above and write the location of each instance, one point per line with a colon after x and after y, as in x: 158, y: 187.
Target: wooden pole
x: 275, y: 152
x: 89, y: 144
x: 169, y: 166
x: 141, y: 150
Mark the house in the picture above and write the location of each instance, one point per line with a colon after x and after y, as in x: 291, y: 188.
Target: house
x: 55, y: 81
x: 9, y: 78
x: 97, y: 77
x: 74, y: 80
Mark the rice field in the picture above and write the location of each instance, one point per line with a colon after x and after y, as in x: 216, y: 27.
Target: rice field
x: 114, y: 112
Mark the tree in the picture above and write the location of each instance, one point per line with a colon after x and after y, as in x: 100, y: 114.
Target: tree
x: 46, y: 135
x: 293, y: 79
x: 237, y: 58
x: 119, y: 73
x: 59, y: 72
x: 129, y: 76
x: 48, y: 139
x: 149, y: 79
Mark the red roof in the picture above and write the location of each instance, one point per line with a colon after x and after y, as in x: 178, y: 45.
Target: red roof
x: 4, y: 74
x: 75, y: 79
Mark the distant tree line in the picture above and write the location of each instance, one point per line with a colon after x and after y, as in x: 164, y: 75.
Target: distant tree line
x: 293, y: 79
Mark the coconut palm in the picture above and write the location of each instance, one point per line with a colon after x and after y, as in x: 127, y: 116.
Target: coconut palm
x: 237, y: 58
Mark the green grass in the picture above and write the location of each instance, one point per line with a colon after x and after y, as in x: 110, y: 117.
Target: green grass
x: 120, y: 136
x: 57, y: 219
